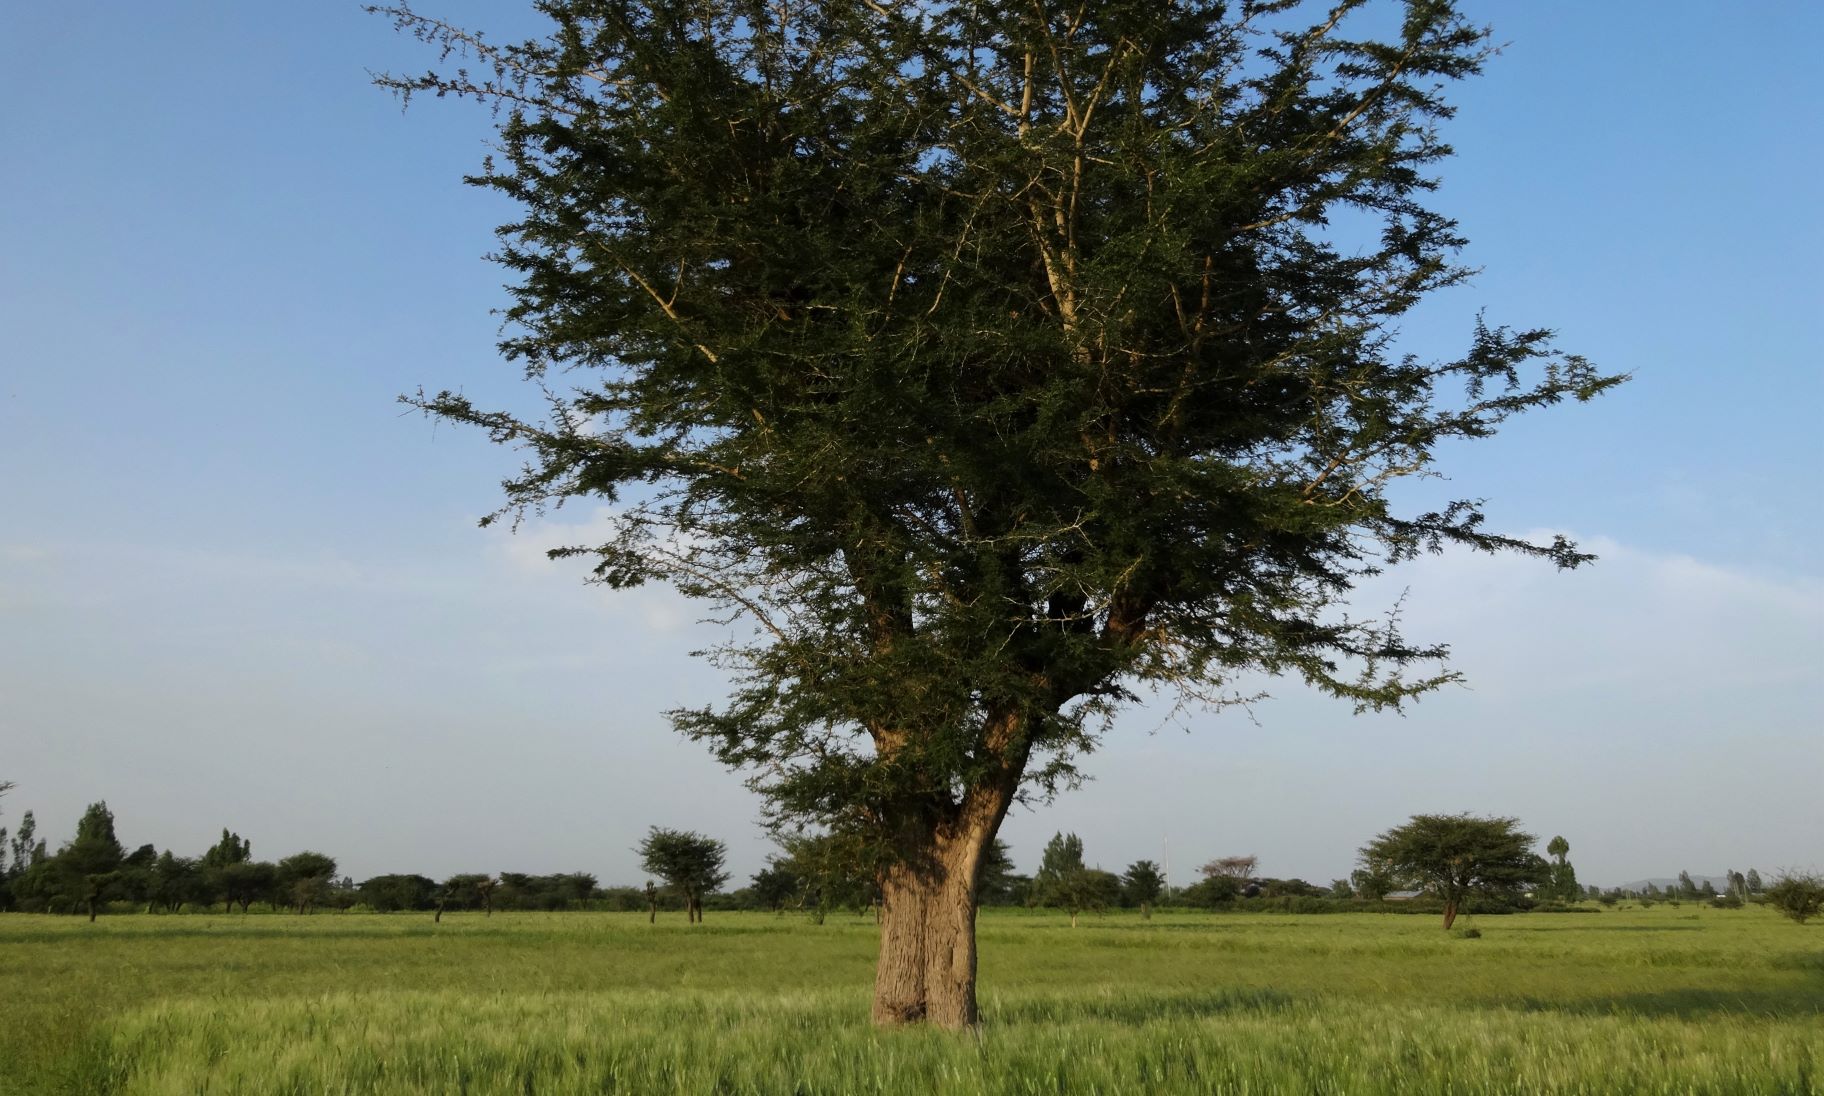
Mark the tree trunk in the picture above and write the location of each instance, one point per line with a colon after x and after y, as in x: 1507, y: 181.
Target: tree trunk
x: 927, y: 929
x: 1146, y: 911
x: 1073, y: 919
x: 91, y: 911
x: 438, y: 920
x: 1450, y: 912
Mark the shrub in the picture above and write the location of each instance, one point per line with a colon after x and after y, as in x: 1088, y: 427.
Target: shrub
x: 1798, y: 895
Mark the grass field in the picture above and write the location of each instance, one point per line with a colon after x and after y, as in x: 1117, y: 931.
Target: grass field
x: 1655, y: 1001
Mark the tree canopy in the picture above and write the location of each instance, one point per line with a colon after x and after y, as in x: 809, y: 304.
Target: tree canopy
x: 690, y: 864
x: 1454, y: 856
x: 1798, y: 895
x: 991, y: 361
x: 1142, y: 884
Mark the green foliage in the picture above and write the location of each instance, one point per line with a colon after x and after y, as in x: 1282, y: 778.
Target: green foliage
x: 87, y: 872
x: 232, y: 848
x: 389, y: 893
x: 992, y: 360
x: 1798, y: 895
x: 175, y: 881
x: 1142, y: 884
x: 690, y: 863
x: 1372, y: 882
x: 1290, y: 888
x: 25, y: 849
x: 835, y: 870
x: 1561, y: 880
x: 302, y: 879
x: 247, y: 881
x: 520, y: 891
x: 95, y: 849
x: 1211, y: 891
x: 774, y: 885
x: 1456, y: 855
x: 1063, y: 856
x: 1000, y: 884
x: 1064, y: 882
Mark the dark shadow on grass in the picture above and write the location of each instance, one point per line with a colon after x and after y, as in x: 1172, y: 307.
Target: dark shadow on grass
x: 1683, y: 1004
x: 1581, y: 927
x: 1137, y: 1008
x: 1812, y: 961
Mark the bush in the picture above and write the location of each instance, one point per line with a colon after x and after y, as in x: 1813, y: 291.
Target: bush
x: 1213, y: 891
x: 1798, y: 895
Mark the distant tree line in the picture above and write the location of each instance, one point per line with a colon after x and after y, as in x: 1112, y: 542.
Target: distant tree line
x: 1432, y: 864
x: 94, y: 870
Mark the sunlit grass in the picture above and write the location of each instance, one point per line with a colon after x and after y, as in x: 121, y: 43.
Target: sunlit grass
x: 1638, y: 1001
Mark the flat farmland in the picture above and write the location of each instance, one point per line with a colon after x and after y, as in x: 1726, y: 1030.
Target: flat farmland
x: 1666, y: 1000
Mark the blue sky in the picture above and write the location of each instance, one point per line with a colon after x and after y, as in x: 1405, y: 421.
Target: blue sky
x: 239, y: 587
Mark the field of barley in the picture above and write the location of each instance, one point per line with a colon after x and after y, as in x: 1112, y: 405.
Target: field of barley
x: 1637, y: 1001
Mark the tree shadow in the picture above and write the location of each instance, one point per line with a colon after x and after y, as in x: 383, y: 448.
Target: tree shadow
x: 1608, y: 928
x: 1683, y: 1004
x: 1136, y: 1009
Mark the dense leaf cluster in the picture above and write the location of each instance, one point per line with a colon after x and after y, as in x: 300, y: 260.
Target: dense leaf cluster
x: 991, y: 358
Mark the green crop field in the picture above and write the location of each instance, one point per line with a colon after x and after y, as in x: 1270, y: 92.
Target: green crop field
x: 1643, y: 1001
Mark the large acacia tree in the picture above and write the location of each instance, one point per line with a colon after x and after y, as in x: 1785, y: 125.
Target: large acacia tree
x: 992, y: 359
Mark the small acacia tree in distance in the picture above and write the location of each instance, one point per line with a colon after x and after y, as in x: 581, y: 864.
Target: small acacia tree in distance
x: 1453, y: 856
x: 461, y: 889
x: 690, y: 864
x: 1238, y: 868
x: 991, y: 360
x: 302, y: 879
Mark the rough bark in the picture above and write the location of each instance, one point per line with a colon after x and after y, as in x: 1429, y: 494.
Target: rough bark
x: 926, y: 971
x: 1450, y: 913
